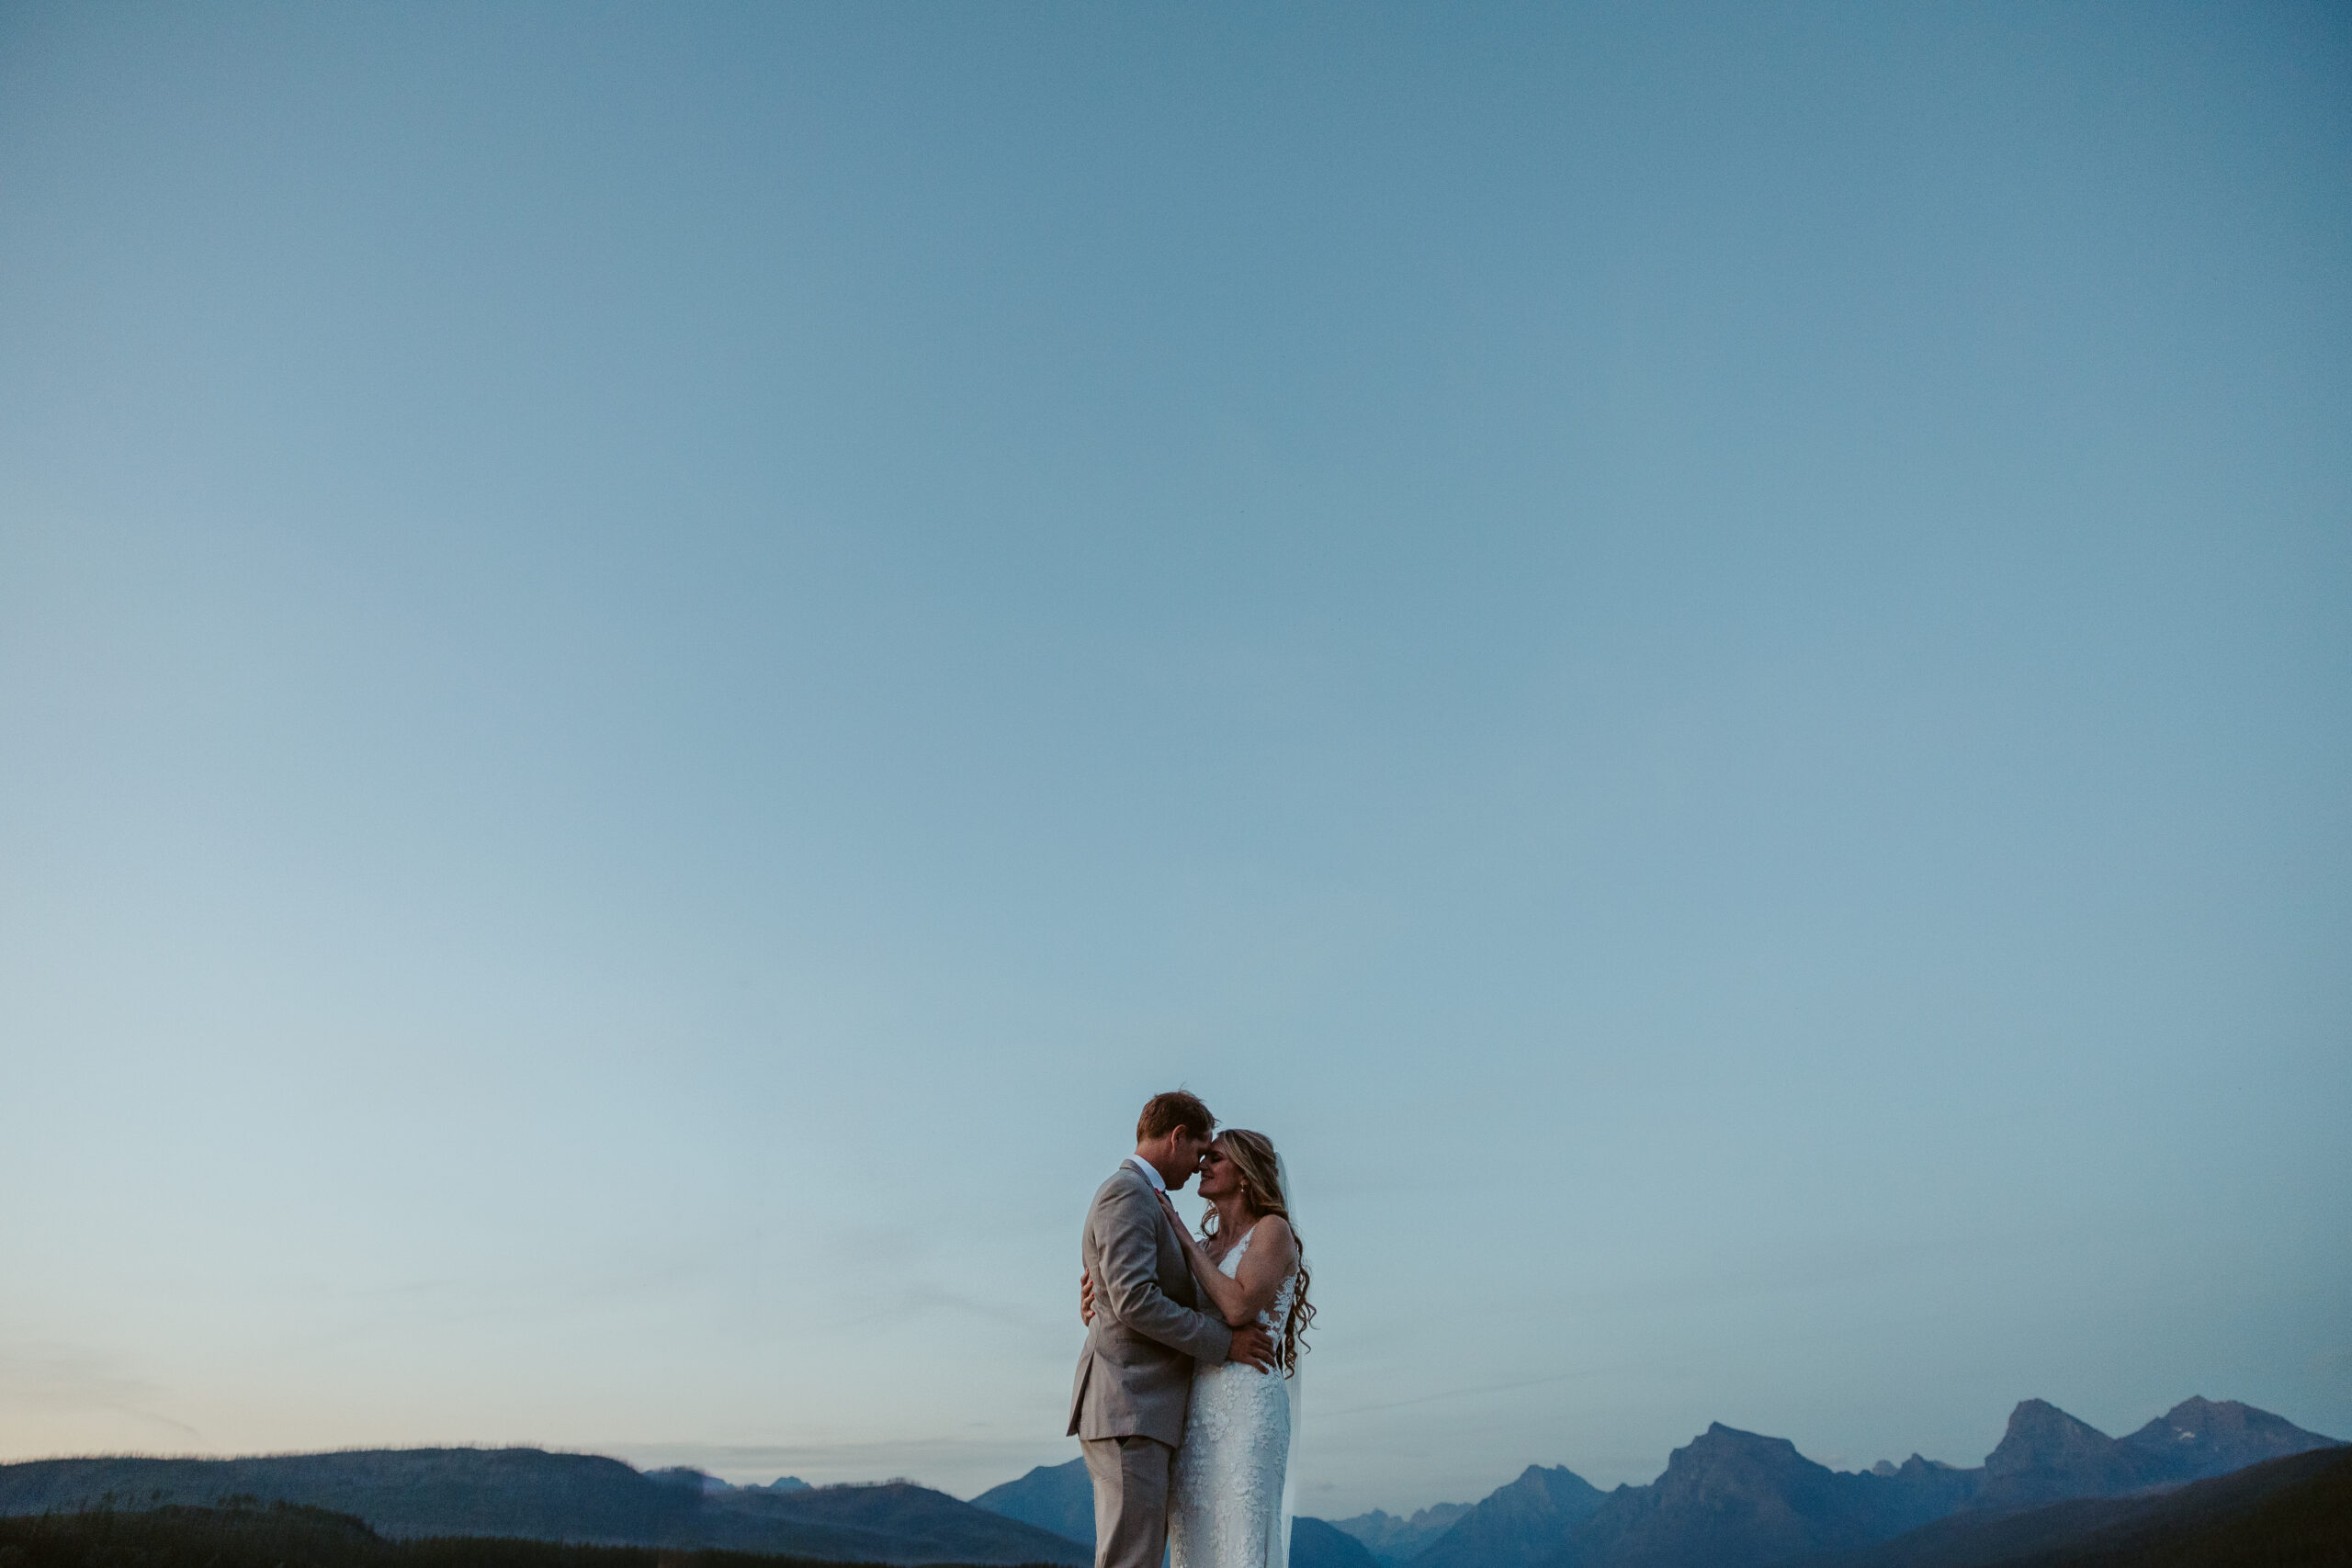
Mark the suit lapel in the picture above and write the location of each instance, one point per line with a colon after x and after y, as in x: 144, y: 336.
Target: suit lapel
x: 1175, y: 1277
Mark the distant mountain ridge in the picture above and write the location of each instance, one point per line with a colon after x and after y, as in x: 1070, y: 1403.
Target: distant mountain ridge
x: 1315, y: 1544
x: 1734, y: 1499
x: 1728, y: 1499
x: 526, y: 1493
x: 2295, y: 1510
x: 1517, y: 1525
x: 1395, y: 1540
x: 1057, y: 1497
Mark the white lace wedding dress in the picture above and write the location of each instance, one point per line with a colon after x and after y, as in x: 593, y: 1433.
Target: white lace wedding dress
x: 1227, y: 1506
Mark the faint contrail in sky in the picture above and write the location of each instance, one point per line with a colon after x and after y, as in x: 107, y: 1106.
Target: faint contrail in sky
x: 1456, y: 1393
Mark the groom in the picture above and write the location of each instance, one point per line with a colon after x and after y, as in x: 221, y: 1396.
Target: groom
x: 1135, y: 1378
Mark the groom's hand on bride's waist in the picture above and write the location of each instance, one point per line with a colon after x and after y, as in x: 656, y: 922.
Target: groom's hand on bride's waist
x: 1252, y: 1346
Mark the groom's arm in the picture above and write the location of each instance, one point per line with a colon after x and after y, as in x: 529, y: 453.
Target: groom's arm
x: 1127, y: 1258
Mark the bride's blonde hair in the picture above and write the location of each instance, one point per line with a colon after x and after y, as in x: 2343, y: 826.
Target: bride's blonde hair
x: 1252, y: 1155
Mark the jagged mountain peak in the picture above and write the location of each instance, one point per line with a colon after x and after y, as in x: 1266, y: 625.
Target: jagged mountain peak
x: 1717, y: 1432
x: 1398, y: 1539
x: 2198, y: 1417
x: 1517, y: 1524
x: 2201, y: 1437
x: 1719, y: 1446
x: 2192, y: 1414
x: 2041, y: 1436
x: 1545, y: 1490
x: 1393, y: 1539
x: 1057, y: 1497
x: 1549, y: 1475
x: 1730, y: 1499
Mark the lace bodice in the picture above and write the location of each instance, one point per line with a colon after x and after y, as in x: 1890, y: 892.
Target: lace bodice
x: 1227, y: 1501
x: 1276, y: 1316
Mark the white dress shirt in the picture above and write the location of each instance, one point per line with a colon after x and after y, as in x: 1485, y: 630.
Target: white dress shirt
x: 1150, y: 1172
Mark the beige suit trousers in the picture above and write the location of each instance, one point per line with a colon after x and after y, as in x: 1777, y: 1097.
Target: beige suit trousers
x: 1130, y: 1477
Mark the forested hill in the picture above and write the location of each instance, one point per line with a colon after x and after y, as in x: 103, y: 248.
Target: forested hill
x: 552, y: 1496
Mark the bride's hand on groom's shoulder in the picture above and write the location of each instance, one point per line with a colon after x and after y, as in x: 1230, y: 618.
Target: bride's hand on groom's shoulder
x: 1183, y: 1235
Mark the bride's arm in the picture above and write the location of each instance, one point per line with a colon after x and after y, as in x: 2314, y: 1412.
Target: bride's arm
x: 1223, y: 1290
x: 1240, y: 1296
x: 1272, y: 1255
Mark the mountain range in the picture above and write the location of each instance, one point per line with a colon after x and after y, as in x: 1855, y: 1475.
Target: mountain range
x: 1734, y: 1499
x: 2282, y: 1512
x: 2053, y: 1486
x: 574, y: 1497
x: 1394, y: 1540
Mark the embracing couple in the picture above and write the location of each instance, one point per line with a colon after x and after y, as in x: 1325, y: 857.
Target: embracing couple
x: 1186, y: 1397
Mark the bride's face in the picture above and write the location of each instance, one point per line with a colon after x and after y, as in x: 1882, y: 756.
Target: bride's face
x: 1219, y: 1174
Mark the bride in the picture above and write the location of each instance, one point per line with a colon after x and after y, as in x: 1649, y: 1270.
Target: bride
x: 1229, y: 1502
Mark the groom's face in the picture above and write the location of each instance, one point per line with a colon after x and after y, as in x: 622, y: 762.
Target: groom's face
x: 1187, y: 1146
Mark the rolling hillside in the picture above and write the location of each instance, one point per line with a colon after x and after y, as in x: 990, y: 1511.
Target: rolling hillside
x: 526, y: 1493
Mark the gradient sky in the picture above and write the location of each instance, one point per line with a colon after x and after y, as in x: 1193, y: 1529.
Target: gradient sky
x: 656, y: 660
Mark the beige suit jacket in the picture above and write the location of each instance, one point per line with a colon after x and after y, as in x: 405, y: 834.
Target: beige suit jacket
x: 1135, y: 1377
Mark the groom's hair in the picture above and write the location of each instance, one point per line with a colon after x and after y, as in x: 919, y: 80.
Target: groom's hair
x: 1163, y: 1114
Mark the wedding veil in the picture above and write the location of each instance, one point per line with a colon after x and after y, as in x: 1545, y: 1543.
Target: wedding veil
x: 1278, y: 1528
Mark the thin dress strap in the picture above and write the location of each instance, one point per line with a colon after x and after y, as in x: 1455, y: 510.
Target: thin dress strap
x: 1234, y: 1257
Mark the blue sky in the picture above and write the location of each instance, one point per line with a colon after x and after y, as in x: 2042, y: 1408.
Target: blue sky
x: 655, y: 662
